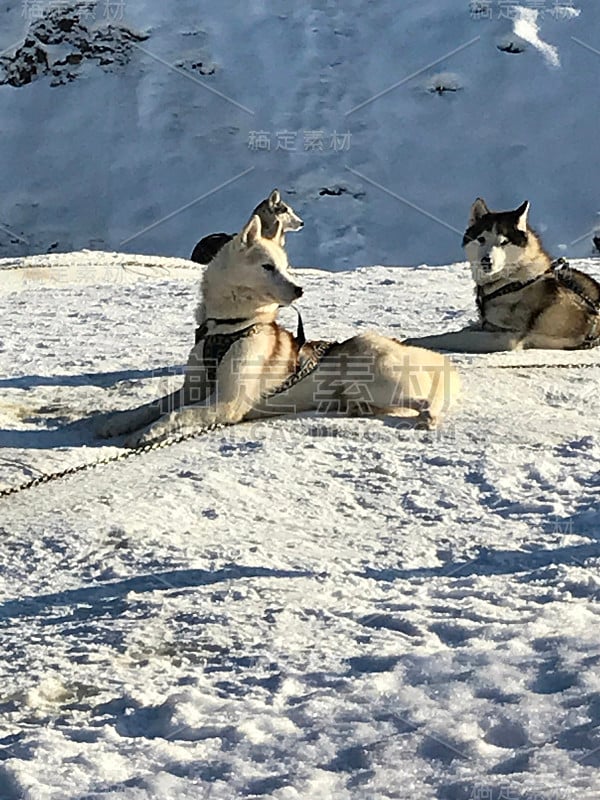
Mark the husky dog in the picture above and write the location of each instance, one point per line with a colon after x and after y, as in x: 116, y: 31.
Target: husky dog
x: 246, y: 366
x: 523, y: 298
x: 271, y: 211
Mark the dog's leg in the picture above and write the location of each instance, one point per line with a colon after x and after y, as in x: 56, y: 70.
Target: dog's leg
x: 193, y: 390
x: 372, y: 374
x: 417, y: 385
x: 541, y: 341
x: 239, y: 384
x: 469, y: 340
x: 188, y: 420
x: 132, y: 419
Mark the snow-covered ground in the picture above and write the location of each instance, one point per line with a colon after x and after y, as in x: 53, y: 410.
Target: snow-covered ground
x: 312, y: 608
x: 380, y: 121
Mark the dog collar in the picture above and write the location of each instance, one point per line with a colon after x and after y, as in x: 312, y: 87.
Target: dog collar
x: 203, y: 331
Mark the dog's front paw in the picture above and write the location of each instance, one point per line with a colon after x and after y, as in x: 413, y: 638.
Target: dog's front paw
x: 152, y: 434
x: 138, y: 439
x: 108, y: 427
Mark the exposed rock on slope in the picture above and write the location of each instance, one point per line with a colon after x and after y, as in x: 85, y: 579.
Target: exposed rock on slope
x: 60, y: 42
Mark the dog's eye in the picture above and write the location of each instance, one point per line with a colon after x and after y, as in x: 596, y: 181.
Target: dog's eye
x: 481, y: 239
x: 269, y: 267
x: 503, y: 243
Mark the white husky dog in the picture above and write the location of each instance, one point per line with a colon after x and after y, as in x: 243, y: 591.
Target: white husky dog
x: 246, y: 366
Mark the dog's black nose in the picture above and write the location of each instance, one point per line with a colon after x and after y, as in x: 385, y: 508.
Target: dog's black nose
x: 298, y: 291
x: 486, y: 261
x: 301, y: 224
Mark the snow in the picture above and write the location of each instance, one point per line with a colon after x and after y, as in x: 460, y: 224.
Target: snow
x: 103, y: 149
x: 526, y: 27
x: 312, y: 607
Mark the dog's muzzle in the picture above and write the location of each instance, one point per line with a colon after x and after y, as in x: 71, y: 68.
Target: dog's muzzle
x: 486, y: 264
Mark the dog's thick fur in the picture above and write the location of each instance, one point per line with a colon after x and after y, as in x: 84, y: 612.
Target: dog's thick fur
x: 243, y: 288
x: 271, y: 211
x: 551, y: 311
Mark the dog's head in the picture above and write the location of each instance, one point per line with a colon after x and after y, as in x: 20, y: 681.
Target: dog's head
x: 495, y: 241
x: 256, y: 268
x: 274, y: 210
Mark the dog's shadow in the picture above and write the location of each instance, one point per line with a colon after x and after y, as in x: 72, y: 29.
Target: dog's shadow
x: 75, y: 434
x: 100, y: 379
x: 58, y: 434
x: 110, y: 598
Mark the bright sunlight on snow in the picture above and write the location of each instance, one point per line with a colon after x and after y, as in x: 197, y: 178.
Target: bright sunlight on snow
x: 315, y: 607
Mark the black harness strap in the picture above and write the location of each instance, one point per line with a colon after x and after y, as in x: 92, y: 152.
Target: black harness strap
x: 216, y: 346
x: 308, y: 364
x: 563, y: 274
x: 515, y: 286
x: 202, y: 331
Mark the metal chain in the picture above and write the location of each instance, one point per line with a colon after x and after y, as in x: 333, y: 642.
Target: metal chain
x: 137, y: 451
x: 529, y: 366
x: 321, y: 350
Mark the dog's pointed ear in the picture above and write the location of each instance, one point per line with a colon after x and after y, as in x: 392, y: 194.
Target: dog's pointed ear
x: 521, y: 214
x: 251, y: 232
x: 274, y: 198
x: 478, y: 210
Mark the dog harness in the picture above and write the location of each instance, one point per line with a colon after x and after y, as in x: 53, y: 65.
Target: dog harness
x: 559, y: 269
x: 202, y: 331
x: 216, y: 346
x: 563, y: 274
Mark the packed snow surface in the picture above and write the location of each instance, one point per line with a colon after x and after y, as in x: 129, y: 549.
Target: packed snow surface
x: 311, y: 607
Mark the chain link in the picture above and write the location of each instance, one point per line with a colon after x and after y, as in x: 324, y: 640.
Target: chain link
x: 137, y: 451
x: 321, y: 350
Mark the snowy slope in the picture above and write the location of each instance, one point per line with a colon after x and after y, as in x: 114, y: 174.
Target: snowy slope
x: 98, y: 149
x: 307, y: 608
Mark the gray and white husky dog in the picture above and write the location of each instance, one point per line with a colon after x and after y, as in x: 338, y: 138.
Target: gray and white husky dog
x: 524, y: 300
x: 247, y: 366
x: 271, y: 211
